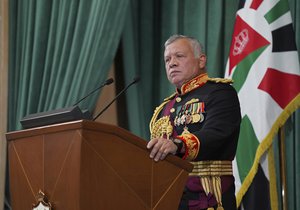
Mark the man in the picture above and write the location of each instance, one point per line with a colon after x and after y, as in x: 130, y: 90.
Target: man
x: 200, y: 123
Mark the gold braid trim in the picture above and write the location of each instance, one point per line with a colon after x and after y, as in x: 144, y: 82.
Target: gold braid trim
x: 170, y: 97
x: 156, y: 113
x: 221, y: 80
x: 210, y: 172
x: 192, y: 145
x: 212, y: 168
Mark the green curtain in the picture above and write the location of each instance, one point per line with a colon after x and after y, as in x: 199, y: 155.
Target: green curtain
x: 293, y: 131
x: 59, y: 51
x: 292, y: 160
x: 150, y: 23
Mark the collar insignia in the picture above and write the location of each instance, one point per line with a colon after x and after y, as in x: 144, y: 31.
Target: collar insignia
x: 194, y: 83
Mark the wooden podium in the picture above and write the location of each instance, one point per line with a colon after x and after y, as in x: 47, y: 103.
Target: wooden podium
x: 89, y: 165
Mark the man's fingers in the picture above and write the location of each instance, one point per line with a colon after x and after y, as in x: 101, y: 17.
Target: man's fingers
x: 154, y: 152
x: 161, y: 154
x: 155, y: 144
x: 160, y: 148
x: 151, y: 143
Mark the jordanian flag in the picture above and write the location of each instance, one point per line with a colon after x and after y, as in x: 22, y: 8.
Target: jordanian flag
x: 264, y: 65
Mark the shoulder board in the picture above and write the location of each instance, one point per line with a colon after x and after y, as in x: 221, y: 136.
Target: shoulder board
x: 170, y: 97
x: 220, y: 80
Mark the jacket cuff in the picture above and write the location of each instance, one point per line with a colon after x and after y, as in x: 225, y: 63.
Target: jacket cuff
x: 192, y: 146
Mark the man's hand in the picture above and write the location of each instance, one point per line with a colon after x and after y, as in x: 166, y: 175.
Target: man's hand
x: 161, y: 148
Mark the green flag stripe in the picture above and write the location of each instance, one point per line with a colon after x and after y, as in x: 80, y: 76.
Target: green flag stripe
x: 247, y: 146
x: 241, y: 72
x: 277, y: 11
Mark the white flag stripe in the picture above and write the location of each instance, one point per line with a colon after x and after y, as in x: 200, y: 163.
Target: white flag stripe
x: 265, y: 165
x: 265, y: 6
x: 236, y: 175
x: 248, y: 4
x: 282, y: 61
x: 282, y: 21
x: 253, y: 104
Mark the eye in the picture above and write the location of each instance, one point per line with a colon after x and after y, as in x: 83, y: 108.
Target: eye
x: 179, y: 55
x: 167, y: 59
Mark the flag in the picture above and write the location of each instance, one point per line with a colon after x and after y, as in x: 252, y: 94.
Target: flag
x: 264, y: 64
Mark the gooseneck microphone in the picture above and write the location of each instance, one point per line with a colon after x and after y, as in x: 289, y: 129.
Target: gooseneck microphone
x: 135, y: 80
x: 107, y: 82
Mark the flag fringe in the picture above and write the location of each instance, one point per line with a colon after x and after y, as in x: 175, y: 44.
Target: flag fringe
x: 265, y: 144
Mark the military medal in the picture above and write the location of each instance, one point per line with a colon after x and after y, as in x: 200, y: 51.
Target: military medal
x: 201, y: 117
x: 178, y: 120
x: 194, y: 113
x: 197, y: 112
x: 188, y: 118
x: 196, y: 117
x: 182, y: 119
x: 202, y: 105
x: 175, y: 121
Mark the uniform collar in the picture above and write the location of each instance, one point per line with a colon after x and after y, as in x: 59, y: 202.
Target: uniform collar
x: 194, y: 83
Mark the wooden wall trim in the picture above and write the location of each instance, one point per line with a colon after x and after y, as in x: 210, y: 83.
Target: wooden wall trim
x: 3, y: 93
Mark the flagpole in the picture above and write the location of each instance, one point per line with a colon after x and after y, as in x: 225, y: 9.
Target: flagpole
x: 282, y: 163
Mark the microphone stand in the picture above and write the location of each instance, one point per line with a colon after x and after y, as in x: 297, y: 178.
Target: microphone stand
x: 108, y: 105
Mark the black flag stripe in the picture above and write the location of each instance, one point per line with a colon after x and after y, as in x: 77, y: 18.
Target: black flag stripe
x: 284, y: 39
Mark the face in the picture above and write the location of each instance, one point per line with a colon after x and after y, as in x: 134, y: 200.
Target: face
x: 180, y: 62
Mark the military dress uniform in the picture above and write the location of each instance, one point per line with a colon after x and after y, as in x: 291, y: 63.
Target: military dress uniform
x: 204, y: 115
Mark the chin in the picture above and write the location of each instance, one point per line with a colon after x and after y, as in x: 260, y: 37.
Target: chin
x: 176, y: 82
x: 177, y: 85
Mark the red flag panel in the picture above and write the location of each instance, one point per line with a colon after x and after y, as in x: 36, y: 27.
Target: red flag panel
x: 282, y: 87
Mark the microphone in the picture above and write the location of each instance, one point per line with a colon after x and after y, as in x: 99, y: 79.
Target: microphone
x: 135, y: 80
x: 107, y: 82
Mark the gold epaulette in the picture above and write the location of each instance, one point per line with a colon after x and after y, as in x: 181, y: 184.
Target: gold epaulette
x: 221, y: 80
x: 158, y: 110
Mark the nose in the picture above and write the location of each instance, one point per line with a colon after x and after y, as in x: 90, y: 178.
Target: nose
x: 173, y: 62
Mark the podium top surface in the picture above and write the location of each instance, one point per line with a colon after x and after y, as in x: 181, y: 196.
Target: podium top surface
x: 94, y: 126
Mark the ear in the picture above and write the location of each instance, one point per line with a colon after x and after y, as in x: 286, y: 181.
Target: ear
x: 202, y: 61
